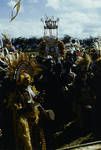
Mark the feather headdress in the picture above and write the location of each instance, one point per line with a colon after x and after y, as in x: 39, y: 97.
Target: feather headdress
x: 84, y: 61
x: 97, y: 67
x: 21, y: 61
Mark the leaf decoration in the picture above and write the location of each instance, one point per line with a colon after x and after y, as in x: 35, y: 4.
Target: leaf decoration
x: 16, y: 8
x: 5, y: 36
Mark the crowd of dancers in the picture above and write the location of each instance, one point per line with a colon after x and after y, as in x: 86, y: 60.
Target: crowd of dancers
x: 40, y: 94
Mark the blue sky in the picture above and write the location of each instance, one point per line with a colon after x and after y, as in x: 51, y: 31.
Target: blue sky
x: 78, y: 18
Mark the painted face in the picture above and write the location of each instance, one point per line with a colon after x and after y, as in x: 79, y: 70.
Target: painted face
x: 25, y: 78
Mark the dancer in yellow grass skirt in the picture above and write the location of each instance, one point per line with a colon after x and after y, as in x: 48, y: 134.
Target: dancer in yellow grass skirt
x: 27, y: 134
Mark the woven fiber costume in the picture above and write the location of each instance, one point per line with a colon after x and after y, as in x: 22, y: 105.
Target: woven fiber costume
x: 22, y: 111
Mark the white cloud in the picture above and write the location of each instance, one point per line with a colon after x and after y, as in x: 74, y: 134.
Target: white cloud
x: 33, y: 1
x: 80, y: 24
x: 79, y: 18
x: 55, y: 4
x: 87, y: 3
x: 77, y: 4
x: 11, y: 3
x: 26, y: 28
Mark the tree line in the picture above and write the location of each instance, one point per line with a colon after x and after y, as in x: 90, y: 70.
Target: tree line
x: 33, y: 43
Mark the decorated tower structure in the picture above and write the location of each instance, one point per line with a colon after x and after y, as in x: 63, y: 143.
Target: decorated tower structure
x: 50, y: 25
x: 50, y: 42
